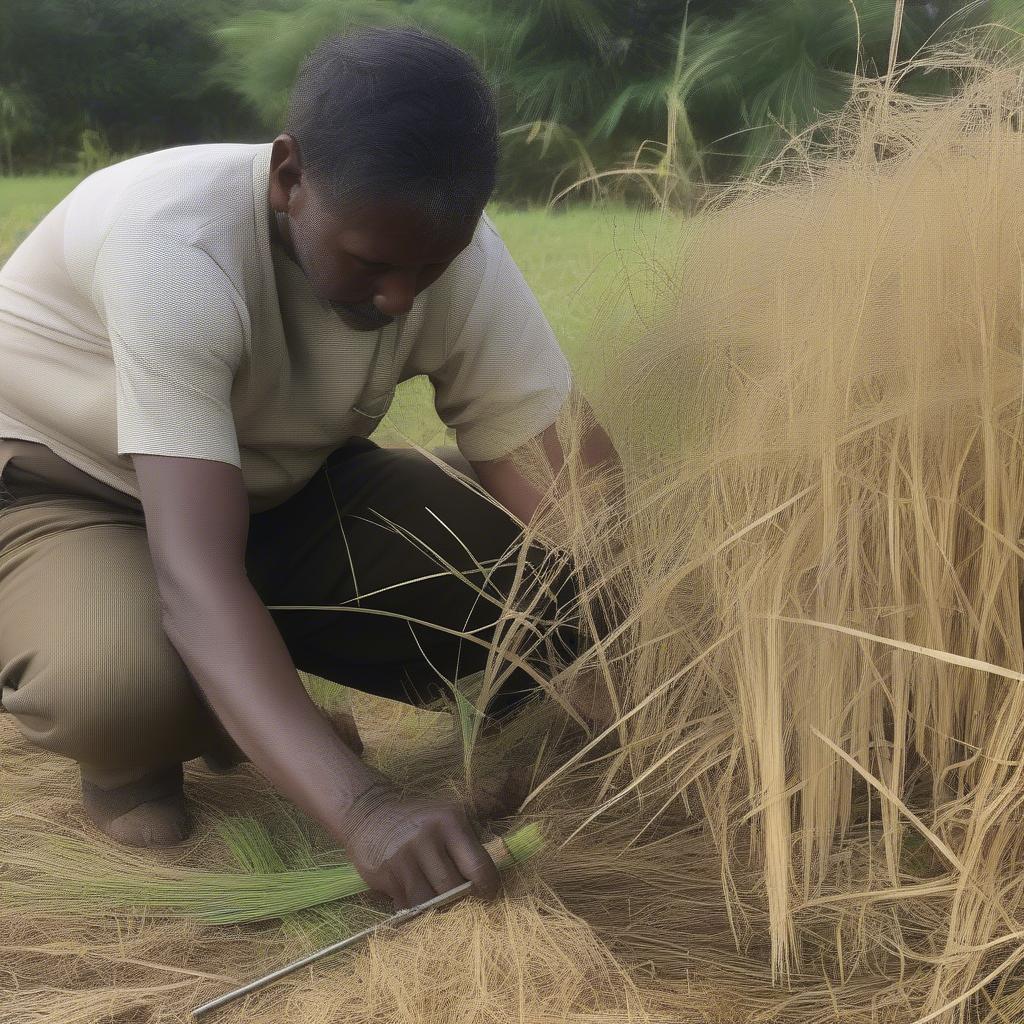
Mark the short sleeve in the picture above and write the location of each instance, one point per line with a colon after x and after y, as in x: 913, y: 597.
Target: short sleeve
x: 177, y: 337
x: 504, y: 377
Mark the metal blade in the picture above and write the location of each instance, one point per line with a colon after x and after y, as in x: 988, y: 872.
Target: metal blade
x: 395, y: 919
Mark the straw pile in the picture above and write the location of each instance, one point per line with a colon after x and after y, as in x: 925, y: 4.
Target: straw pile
x: 810, y: 808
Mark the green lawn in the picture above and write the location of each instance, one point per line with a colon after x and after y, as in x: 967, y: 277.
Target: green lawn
x: 588, y: 267
x: 23, y: 202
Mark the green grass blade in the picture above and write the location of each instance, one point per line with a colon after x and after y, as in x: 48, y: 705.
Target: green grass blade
x: 60, y: 877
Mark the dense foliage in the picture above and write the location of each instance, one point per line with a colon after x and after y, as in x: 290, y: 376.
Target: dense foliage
x: 683, y: 91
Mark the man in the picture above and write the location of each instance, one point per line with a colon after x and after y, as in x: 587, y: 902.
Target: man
x: 196, y: 345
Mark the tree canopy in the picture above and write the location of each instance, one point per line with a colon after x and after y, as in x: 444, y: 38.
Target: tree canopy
x: 692, y: 90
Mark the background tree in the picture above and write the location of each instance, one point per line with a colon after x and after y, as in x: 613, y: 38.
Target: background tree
x: 136, y: 71
x: 646, y: 97
x: 17, y: 115
x: 684, y: 90
x: 781, y: 64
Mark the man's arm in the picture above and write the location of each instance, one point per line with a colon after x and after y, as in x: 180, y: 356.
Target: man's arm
x: 507, y: 485
x: 197, y: 516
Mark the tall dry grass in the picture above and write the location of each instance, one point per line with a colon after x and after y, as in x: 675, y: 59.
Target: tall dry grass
x: 819, y: 553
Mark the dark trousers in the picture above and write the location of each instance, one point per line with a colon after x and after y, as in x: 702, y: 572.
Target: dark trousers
x: 384, y: 530
x: 87, y: 671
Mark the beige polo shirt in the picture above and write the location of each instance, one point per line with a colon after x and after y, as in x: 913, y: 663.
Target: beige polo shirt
x: 153, y: 311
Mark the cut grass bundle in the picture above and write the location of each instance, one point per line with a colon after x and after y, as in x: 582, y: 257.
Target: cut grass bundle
x: 61, y: 877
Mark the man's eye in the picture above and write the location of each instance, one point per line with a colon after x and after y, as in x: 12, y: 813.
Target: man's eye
x: 369, y: 266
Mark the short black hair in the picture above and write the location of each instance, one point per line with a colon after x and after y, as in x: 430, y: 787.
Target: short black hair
x: 382, y: 114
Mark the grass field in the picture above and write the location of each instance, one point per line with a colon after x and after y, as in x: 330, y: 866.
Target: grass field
x: 574, y: 261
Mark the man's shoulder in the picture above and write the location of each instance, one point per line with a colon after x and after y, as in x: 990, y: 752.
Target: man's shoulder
x: 172, y: 201
x: 488, y: 239
x: 179, y: 192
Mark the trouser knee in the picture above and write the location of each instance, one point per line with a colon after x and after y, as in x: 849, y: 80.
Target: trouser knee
x: 114, y: 713
x: 86, y: 670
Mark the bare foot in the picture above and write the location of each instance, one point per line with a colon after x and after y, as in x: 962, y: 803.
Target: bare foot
x: 148, y: 812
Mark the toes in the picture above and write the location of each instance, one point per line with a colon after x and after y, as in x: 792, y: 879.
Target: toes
x: 155, y: 823
x: 163, y: 821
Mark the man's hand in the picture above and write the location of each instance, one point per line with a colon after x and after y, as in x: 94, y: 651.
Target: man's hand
x: 415, y: 848
x: 498, y: 792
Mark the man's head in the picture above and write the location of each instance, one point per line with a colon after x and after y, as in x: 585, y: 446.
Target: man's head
x: 388, y: 157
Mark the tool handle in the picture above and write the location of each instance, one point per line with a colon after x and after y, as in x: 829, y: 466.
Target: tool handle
x: 499, y: 852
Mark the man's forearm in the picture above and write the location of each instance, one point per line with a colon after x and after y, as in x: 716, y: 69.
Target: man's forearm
x: 506, y: 484
x: 230, y: 643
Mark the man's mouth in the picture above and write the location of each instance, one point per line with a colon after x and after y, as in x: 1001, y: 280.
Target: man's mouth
x: 361, y: 315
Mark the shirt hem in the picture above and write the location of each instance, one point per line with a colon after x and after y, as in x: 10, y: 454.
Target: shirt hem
x: 12, y: 429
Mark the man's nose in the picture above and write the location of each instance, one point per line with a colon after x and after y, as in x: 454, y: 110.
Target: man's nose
x: 395, y: 293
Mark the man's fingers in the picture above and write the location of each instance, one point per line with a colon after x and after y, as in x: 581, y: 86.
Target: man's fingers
x: 417, y: 888
x: 387, y: 884
x: 439, y: 868
x: 475, y: 864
